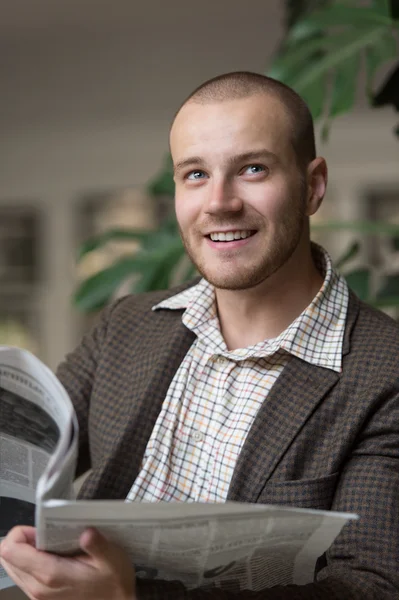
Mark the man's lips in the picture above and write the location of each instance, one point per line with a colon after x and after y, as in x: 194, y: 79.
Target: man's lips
x: 229, y: 235
x: 222, y: 240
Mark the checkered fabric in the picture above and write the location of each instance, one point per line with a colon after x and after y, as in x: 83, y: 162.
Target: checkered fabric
x: 216, y: 394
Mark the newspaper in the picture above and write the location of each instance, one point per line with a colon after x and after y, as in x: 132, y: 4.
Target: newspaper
x: 230, y: 545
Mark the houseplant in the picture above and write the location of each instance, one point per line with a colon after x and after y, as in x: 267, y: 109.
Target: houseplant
x: 319, y: 57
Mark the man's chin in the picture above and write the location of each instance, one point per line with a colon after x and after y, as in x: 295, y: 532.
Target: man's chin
x: 230, y: 281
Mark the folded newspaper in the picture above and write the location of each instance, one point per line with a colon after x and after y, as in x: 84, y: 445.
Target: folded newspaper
x: 234, y: 545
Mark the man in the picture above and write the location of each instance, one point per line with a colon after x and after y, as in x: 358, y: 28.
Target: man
x: 266, y: 381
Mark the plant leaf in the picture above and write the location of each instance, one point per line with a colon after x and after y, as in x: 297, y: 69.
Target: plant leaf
x: 380, y: 52
x: 163, y: 183
x: 149, y: 280
x: 112, y: 235
x: 388, y: 302
x: 339, y: 14
x: 325, y: 130
x: 382, y: 7
x: 359, y: 281
x: 161, y: 270
x: 390, y: 288
x: 98, y: 289
x: 350, y: 253
x: 344, y: 86
x: 285, y: 66
x: 315, y: 96
x: 348, y: 47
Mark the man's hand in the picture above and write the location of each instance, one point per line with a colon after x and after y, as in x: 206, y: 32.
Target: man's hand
x: 102, y: 573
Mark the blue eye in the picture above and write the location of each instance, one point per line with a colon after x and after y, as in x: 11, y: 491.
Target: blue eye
x: 254, y: 169
x: 195, y: 175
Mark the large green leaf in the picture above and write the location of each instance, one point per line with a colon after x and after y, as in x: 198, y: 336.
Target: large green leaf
x: 160, y: 274
x: 383, y: 50
x: 151, y: 279
x: 314, y: 97
x: 348, y: 47
x: 112, y: 235
x: 98, y: 289
x: 297, y: 9
x: 389, y: 289
x: 286, y: 66
x: 350, y: 253
x: 359, y: 281
x: 163, y: 184
x: 382, y: 7
x: 308, y: 58
x: 344, y: 86
x: 339, y: 15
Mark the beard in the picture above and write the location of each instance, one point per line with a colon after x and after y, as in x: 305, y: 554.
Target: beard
x: 231, y: 271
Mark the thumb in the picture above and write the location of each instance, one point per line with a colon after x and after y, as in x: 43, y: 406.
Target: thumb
x: 95, y: 544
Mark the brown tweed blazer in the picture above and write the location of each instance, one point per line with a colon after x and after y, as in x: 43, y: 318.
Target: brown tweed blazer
x: 321, y: 440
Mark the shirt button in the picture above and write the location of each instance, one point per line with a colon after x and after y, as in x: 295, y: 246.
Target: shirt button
x: 220, y: 360
x: 198, y: 436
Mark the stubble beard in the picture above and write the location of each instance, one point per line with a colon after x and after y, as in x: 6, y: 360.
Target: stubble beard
x: 228, y: 276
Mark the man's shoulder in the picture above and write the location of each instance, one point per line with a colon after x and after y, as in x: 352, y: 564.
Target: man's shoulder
x: 373, y: 332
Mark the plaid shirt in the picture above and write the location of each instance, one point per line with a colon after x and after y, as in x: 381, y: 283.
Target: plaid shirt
x: 216, y: 393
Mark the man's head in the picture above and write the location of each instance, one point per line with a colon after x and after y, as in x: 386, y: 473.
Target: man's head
x: 244, y: 156
x: 243, y: 84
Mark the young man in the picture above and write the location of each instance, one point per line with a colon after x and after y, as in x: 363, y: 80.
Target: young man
x: 266, y: 381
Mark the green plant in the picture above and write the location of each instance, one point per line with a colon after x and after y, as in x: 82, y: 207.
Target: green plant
x: 326, y: 41
x: 323, y: 51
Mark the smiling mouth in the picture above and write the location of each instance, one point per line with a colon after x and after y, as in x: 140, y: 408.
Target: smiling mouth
x: 230, y: 236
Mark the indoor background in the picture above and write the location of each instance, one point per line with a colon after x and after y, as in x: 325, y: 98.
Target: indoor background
x: 87, y: 92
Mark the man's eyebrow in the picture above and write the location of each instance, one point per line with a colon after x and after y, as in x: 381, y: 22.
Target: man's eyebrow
x: 192, y: 160
x: 253, y: 155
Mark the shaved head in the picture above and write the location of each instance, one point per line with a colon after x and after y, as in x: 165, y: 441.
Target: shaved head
x: 242, y: 84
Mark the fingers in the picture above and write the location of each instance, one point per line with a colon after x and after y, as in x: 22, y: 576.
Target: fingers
x: 18, y: 551
x: 97, y: 546
x: 23, y: 580
x: 22, y: 535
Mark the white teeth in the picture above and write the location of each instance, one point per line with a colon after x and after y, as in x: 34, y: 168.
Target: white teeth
x: 229, y: 236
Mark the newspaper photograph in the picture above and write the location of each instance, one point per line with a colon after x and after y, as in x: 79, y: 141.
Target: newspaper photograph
x: 38, y: 443
x: 234, y: 545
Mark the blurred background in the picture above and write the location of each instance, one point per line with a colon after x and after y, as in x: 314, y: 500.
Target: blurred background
x: 88, y: 90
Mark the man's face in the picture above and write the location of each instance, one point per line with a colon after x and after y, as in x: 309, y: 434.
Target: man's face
x: 240, y: 198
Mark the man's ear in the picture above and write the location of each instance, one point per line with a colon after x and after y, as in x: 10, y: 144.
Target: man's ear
x: 316, y: 176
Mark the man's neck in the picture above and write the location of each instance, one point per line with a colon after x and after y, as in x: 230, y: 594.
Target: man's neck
x: 250, y: 316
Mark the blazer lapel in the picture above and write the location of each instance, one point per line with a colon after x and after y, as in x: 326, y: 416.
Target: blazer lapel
x: 295, y: 395
x: 151, y: 363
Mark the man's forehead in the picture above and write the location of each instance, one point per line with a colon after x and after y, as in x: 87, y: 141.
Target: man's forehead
x: 247, y: 119
x: 266, y: 104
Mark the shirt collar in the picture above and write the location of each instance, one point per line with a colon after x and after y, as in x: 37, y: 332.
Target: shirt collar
x: 315, y: 336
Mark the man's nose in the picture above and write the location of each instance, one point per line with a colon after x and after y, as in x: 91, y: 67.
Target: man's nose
x: 222, y: 198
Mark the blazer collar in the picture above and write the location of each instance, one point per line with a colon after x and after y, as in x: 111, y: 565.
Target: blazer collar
x: 293, y: 398
x: 296, y: 393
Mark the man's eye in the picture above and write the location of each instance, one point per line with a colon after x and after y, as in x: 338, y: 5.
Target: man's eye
x: 195, y: 175
x: 254, y: 169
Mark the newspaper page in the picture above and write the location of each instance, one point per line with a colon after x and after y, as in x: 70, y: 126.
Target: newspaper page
x: 37, y: 427
x: 231, y: 545
x: 236, y: 546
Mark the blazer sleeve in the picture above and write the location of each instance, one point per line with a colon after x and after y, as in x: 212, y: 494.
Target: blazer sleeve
x: 77, y: 374
x: 362, y: 563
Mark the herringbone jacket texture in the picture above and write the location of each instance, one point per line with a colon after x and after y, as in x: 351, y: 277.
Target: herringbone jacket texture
x: 321, y: 440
